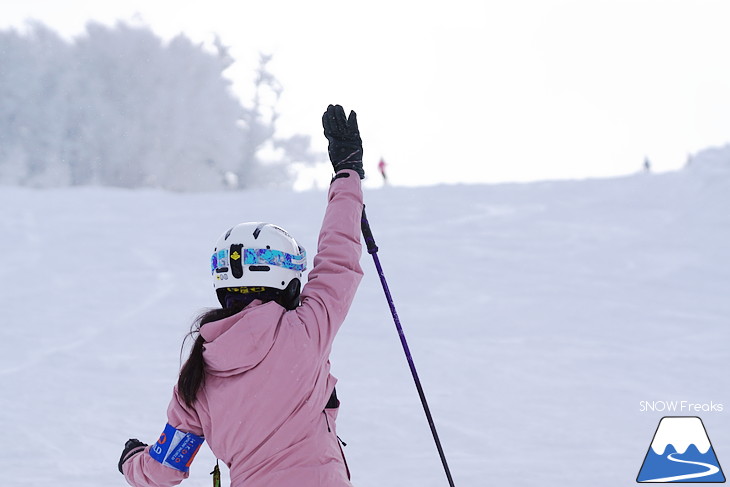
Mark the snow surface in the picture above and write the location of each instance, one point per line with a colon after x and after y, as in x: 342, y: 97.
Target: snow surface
x: 539, y: 317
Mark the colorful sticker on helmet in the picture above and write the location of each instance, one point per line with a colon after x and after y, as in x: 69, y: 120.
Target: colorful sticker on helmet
x: 219, y: 261
x: 275, y: 257
x: 176, y: 449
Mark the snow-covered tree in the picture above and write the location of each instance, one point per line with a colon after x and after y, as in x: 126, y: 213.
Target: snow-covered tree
x: 161, y: 114
x: 119, y: 106
x: 268, y: 158
x: 33, y: 107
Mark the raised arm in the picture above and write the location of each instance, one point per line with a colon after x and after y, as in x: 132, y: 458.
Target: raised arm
x: 336, y: 274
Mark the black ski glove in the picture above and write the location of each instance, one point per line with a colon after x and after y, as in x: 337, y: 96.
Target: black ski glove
x: 345, y: 145
x: 131, y: 448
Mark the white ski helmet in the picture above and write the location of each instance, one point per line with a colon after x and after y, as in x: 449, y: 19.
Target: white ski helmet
x: 256, y: 255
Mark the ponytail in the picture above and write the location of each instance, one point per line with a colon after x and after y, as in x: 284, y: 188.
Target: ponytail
x: 192, y: 373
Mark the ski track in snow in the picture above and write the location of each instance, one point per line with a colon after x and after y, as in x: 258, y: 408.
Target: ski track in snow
x: 538, y: 316
x: 161, y: 290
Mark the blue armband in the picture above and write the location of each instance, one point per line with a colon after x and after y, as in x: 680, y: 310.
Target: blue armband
x: 176, y: 449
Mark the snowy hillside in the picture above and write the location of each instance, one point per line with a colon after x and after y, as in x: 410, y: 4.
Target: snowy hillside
x: 539, y: 316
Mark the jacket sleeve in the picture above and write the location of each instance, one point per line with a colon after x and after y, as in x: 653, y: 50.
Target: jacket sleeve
x: 142, y: 470
x: 336, y: 273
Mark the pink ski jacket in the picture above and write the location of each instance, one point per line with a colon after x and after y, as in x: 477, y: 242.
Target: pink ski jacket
x: 262, y: 406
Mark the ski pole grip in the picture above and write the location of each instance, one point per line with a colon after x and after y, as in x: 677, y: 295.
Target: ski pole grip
x: 367, y: 233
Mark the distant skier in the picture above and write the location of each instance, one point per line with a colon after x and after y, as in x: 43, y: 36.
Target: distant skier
x: 647, y: 165
x: 257, y: 385
x: 381, y: 169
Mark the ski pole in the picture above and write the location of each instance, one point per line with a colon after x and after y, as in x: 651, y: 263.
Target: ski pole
x: 373, y: 250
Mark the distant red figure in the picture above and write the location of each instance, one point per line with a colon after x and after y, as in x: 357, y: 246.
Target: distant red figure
x: 381, y: 168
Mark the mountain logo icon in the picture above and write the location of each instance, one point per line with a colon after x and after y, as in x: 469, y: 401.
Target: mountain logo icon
x: 681, y: 452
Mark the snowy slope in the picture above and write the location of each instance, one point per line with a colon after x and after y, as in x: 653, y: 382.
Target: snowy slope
x: 539, y: 316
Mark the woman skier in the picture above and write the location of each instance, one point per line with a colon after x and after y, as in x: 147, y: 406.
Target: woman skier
x: 257, y: 385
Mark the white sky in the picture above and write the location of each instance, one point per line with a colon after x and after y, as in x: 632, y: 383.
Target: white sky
x: 470, y: 91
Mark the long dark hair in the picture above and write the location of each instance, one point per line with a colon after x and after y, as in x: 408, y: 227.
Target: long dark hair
x: 192, y: 372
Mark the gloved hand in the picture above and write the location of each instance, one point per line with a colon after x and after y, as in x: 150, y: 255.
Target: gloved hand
x: 131, y: 448
x: 345, y: 145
